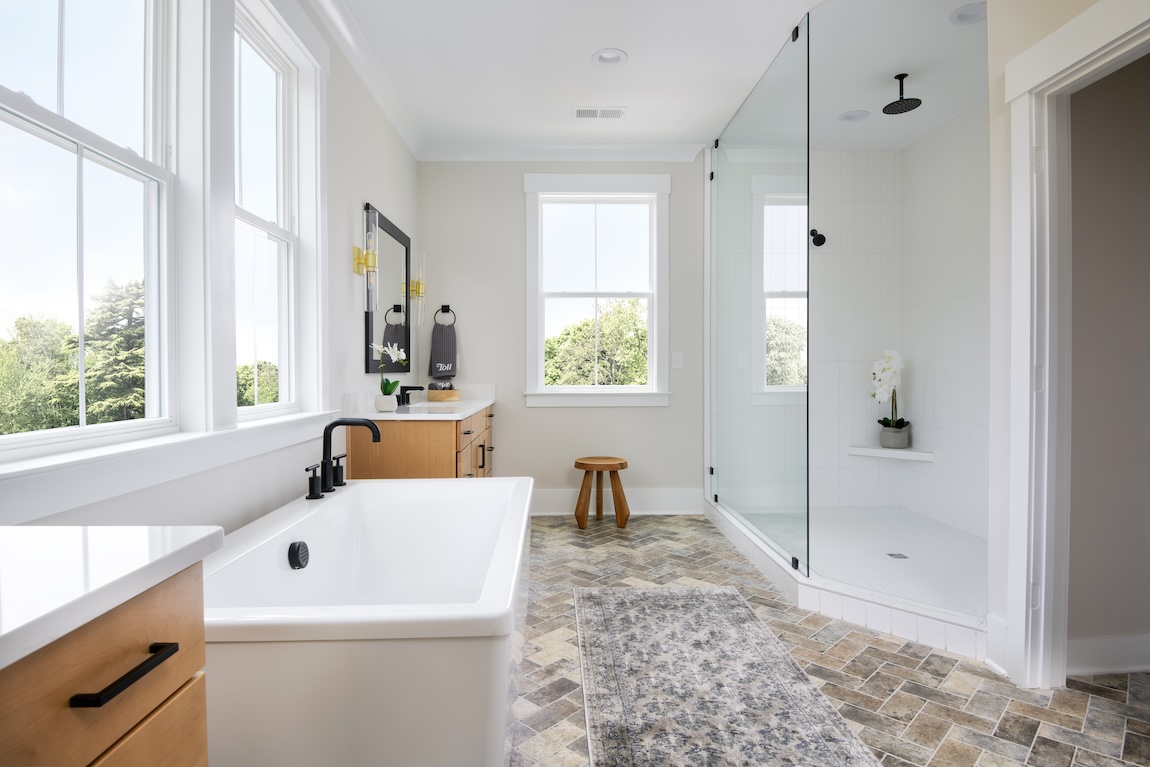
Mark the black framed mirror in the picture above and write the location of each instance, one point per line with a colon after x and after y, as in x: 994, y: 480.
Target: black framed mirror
x: 387, y: 318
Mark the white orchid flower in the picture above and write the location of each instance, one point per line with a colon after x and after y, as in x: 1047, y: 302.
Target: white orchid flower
x: 886, y: 377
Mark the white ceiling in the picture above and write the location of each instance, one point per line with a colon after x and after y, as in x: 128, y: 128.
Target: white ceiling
x: 499, y: 80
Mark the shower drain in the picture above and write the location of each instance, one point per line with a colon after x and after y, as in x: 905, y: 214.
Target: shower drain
x: 898, y: 556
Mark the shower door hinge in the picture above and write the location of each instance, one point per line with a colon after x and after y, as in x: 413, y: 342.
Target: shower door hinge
x: 712, y: 175
x: 794, y: 563
x: 795, y: 35
x: 716, y: 497
x: 716, y: 143
x: 712, y: 470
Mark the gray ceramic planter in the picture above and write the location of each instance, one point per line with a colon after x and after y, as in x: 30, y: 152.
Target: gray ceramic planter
x: 894, y: 438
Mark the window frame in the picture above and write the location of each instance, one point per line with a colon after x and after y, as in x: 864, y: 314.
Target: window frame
x: 759, y: 295
x: 153, y: 168
x: 261, y: 37
x: 193, y: 136
x: 539, y: 186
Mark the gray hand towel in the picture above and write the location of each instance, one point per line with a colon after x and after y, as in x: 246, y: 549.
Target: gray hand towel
x: 443, y: 361
x: 393, y: 334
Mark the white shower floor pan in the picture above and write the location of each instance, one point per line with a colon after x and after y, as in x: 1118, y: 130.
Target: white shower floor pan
x: 936, y: 595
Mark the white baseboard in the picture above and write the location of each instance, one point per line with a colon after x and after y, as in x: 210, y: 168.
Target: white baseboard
x: 1108, y: 655
x: 641, y: 500
x: 996, y: 645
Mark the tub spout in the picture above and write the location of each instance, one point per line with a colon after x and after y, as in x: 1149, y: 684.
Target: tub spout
x: 326, y: 465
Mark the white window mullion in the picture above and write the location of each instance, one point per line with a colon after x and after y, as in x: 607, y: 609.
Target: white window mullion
x: 239, y: 120
x: 82, y: 390
x: 60, y: 57
x: 288, y: 310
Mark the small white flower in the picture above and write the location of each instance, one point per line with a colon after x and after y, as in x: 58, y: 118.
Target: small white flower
x: 394, y: 353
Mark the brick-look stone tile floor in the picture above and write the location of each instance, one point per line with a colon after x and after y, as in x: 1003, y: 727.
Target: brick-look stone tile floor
x: 911, y: 704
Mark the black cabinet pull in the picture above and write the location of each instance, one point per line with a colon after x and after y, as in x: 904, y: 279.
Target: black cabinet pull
x: 469, y: 431
x: 161, y: 651
x: 483, y: 457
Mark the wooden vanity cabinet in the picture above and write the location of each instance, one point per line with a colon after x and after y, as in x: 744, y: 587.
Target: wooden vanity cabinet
x: 159, y: 719
x: 411, y: 448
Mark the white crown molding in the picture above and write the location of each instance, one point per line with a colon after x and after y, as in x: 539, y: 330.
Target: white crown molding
x: 351, y: 40
x: 492, y: 152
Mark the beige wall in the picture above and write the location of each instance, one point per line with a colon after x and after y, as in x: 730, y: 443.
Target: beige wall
x: 367, y: 162
x: 472, y: 228
x: 1013, y: 26
x: 1109, y: 523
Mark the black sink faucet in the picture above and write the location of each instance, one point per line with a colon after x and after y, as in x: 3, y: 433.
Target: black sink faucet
x: 328, y: 484
x: 405, y: 393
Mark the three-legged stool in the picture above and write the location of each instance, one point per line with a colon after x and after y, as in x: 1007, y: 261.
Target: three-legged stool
x: 599, y: 464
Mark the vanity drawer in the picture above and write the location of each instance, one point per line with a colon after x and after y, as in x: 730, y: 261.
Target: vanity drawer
x: 37, y: 725
x: 174, y: 735
x: 470, y: 428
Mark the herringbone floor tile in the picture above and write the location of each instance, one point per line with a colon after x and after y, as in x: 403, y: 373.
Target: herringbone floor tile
x: 914, y: 706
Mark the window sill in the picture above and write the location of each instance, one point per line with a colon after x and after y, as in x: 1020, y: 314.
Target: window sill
x: 35, y: 488
x: 605, y: 399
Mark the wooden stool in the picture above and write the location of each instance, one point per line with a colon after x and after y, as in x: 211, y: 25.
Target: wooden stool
x: 600, y: 464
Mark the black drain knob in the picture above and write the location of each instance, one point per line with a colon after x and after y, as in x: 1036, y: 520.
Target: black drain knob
x: 298, y: 555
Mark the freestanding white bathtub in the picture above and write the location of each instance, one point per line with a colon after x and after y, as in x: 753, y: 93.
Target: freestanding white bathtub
x: 394, y: 646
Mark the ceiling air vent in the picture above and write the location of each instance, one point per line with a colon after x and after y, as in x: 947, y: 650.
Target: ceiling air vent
x: 597, y: 113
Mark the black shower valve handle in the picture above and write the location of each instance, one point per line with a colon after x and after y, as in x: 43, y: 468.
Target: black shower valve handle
x: 818, y: 239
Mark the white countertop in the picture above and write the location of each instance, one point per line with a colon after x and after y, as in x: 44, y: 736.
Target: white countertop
x: 55, y: 579
x: 429, y: 411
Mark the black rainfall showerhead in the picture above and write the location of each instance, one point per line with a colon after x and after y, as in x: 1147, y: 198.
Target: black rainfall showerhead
x: 903, y: 104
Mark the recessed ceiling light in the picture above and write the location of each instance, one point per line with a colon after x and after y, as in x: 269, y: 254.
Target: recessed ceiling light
x: 854, y: 116
x: 971, y: 13
x: 609, y: 56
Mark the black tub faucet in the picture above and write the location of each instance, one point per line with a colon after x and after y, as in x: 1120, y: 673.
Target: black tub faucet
x: 326, y: 472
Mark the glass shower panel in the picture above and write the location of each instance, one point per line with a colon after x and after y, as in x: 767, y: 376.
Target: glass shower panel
x: 759, y: 307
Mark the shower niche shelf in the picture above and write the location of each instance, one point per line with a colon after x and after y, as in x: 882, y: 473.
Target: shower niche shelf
x: 900, y: 454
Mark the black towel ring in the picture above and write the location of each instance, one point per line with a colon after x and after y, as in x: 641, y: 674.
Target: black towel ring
x: 445, y: 309
x: 398, y: 309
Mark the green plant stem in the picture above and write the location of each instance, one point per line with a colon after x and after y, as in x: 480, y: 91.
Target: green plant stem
x: 893, y: 406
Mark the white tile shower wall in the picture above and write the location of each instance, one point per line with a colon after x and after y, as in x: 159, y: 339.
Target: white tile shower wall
x: 945, y: 321
x: 856, y: 281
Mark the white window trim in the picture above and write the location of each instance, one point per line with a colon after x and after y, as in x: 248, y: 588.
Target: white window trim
x: 761, y: 394
x: 106, y: 462
x: 267, y: 38
x: 19, y: 110
x: 658, y: 394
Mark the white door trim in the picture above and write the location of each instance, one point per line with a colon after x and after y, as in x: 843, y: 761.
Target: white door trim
x: 1100, y: 40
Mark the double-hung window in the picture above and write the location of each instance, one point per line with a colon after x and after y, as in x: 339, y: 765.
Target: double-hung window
x: 266, y: 243
x: 779, y: 292
x: 597, y: 289
x: 84, y: 216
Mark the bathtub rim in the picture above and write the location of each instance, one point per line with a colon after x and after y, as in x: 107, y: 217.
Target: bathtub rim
x: 492, y: 614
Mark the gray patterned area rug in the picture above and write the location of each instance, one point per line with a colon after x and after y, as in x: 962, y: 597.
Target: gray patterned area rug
x: 692, y: 677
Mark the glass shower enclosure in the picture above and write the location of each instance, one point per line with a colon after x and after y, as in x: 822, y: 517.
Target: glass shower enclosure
x: 838, y: 232
x: 759, y: 308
